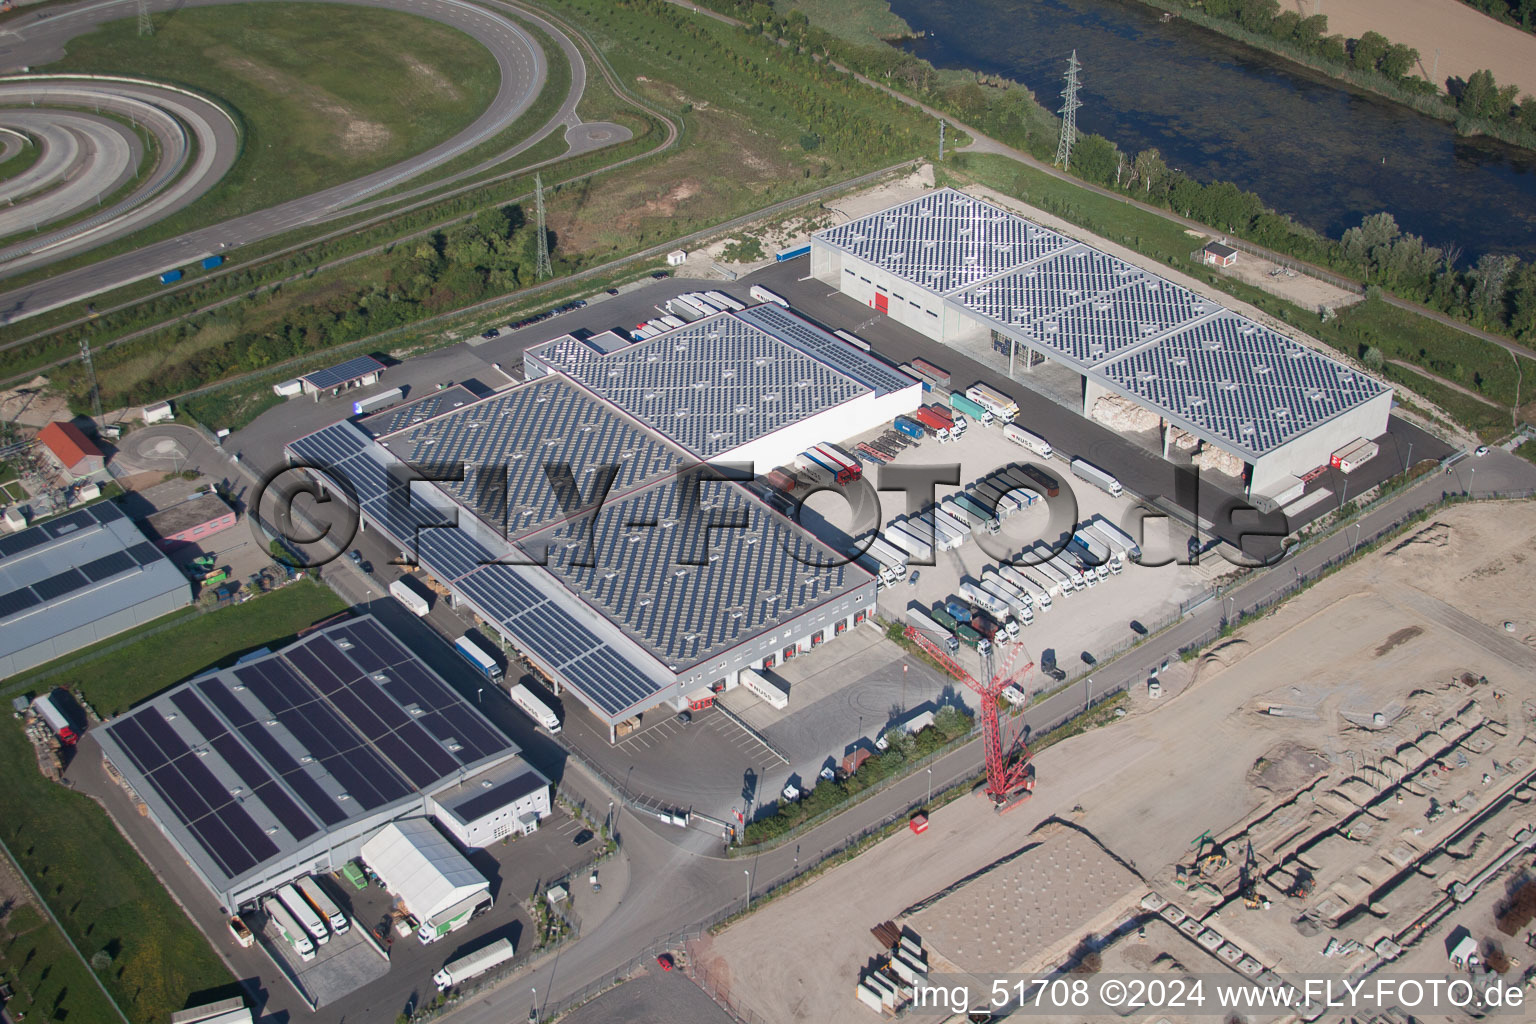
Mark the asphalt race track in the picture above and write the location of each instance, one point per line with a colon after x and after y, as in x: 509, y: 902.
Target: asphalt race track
x: 85, y: 156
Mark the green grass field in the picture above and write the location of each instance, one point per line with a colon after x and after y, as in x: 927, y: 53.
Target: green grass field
x: 49, y: 981
x: 114, y: 677
x: 310, y: 119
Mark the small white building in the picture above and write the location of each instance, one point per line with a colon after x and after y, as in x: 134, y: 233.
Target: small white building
x: 422, y: 868
x: 159, y: 412
x: 477, y: 811
x: 676, y: 258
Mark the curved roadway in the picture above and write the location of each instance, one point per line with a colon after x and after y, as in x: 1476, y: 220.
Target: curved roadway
x: 523, y: 73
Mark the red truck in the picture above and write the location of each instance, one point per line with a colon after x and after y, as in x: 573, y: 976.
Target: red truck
x: 984, y: 625
x: 926, y: 417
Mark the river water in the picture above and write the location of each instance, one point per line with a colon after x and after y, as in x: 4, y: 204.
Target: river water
x: 1310, y: 146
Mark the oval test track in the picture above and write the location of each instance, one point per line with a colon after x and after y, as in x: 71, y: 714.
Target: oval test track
x: 523, y: 72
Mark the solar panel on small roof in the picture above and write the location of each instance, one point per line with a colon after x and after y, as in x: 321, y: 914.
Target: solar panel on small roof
x: 341, y: 373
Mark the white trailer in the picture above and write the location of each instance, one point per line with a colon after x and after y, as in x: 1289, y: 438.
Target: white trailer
x: 407, y: 595
x: 1085, y: 470
x: 1020, y: 604
x: 765, y: 688
x: 1034, y: 442
x: 945, y: 536
x: 475, y: 964
x: 1101, y: 554
x: 933, y: 629
x: 914, y: 546
x: 1027, y: 584
x: 1009, y: 591
x: 982, y: 598
x: 684, y: 307
x: 994, y: 401
x: 761, y: 294
x: 294, y: 935
x: 949, y: 519
x: 888, y: 555
x: 672, y: 322
x: 1022, y: 484
x: 304, y: 914
x: 854, y: 340
x: 724, y: 301
x: 534, y: 708
x: 702, y: 301
x: 373, y: 403
x: 316, y: 897
x: 1117, y: 538
x: 1056, y: 582
x: 1073, y: 570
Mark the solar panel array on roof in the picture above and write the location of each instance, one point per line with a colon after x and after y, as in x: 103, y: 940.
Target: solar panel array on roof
x: 944, y: 240
x: 69, y: 580
x: 825, y: 347
x: 1084, y: 305
x: 685, y: 601
x: 341, y: 373
x: 711, y: 386
x: 1242, y: 381
x: 514, y: 440
x: 411, y: 413
x: 498, y: 796
x: 254, y: 760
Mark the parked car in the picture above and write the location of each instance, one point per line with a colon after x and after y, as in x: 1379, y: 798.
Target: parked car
x: 582, y: 837
x: 1482, y: 450
x: 684, y: 717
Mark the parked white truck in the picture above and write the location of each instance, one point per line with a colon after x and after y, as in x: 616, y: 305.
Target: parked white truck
x: 1027, y: 584
x: 533, y: 707
x: 475, y: 964
x: 404, y: 590
x: 1085, y: 470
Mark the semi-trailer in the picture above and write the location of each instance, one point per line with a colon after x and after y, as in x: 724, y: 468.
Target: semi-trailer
x: 724, y: 301
x: 974, y: 593
x: 1056, y: 581
x: 946, y: 536
x: 911, y: 428
x: 304, y: 914
x: 848, y: 467
x: 407, y: 595
x: 943, y: 618
x: 915, y: 546
x: 949, y: 519
x: 1016, y: 602
x: 472, y: 648
x: 323, y: 904
x: 50, y: 711
x: 888, y: 555
x: 938, y: 375
x: 1117, y: 538
x: 673, y: 322
x: 984, y: 515
x: 991, y: 496
x: 1094, y: 545
x: 761, y: 294
x: 1086, y: 470
x: 840, y: 452
x: 969, y: 409
x: 533, y: 707
x: 971, y: 638
x: 1005, y: 588
x: 1034, y: 442
x: 474, y: 964
x: 933, y: 629
x: 684, y: 307
x: 813, y: 471
x: 1027, y: 584
x: 373, y: 403
x: 1068, y: 567
x: 927, y: 418
x: 942, y: 413
x: 1038, y: 478
x: 290, y: 930
x: 1352, y: 456
x: 994, y: 401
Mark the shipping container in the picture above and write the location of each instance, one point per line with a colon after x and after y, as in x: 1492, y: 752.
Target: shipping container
x: 942, y: 413
x: 926, y: 417
x: 931, y: 371
x: 212, y: 262
x: 960, y: 404
x: 792, y: 254
x: 170, y: 277
x: 854, y: 340
x: 1034, y: 442
x: 781, y: 480
x: 909, y: 427
x: 1034, y: 477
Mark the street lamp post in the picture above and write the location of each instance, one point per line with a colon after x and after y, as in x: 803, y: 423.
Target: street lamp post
x: 930, y: 787
x: 748, y: 873
x: 1356, y: 544
x: 533, y: 1010
x: 478, y: 691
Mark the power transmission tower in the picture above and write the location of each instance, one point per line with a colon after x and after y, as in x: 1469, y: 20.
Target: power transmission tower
x: 90, y: 372
x: 1069, y: 106
x: 146, y: 27
x: 942, y: 125
x: 543, y: 269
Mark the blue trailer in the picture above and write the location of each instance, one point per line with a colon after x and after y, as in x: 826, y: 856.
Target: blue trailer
x: 793, y: 254
x: 909, y: 427
x: 170, y: 277
x: 209, y: 262
x: 474, y: 651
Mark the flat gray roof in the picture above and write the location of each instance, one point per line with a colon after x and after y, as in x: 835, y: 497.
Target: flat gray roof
x: 1175, y: 351
x: 251, y: 765
x: 75, y: 569
x: 713, y: 385
x: 186, y: 514
x: 472, y: 798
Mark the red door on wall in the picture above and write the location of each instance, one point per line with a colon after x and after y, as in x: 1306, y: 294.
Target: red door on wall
x: 882, y: 303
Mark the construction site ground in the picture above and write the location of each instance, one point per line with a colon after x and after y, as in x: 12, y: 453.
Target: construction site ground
x: 1393, y: 635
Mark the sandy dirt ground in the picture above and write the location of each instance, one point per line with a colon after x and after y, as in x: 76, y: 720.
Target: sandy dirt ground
x: 1406, y: 619
x: 1306, y: 292
x: 1465, y: 39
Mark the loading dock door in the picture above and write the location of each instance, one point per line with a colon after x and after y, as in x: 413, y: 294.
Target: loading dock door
x: 882, y: 303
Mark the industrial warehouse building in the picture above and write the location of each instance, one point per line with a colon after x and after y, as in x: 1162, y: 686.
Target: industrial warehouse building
x: 77, y: 579
x: 679, y: 583
x: 190, y: 522
x: 286, y: 764
x: 427, y: 874
x: 974, y: 276
x: 76, y: 455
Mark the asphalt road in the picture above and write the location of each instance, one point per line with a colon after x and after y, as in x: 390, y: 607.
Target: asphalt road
x: 523, y: 72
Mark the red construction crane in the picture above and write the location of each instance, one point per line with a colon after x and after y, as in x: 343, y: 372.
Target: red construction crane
x: 1010, y: 776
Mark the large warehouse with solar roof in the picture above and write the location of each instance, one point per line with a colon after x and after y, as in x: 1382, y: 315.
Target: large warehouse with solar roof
x: 970, y: 274
x: 286, y: 763
x: 679, y: 583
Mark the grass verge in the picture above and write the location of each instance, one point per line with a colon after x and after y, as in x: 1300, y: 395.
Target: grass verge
x: 48, y: 981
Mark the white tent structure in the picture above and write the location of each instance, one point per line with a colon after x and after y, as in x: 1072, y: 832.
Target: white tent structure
x: 419, y: 865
